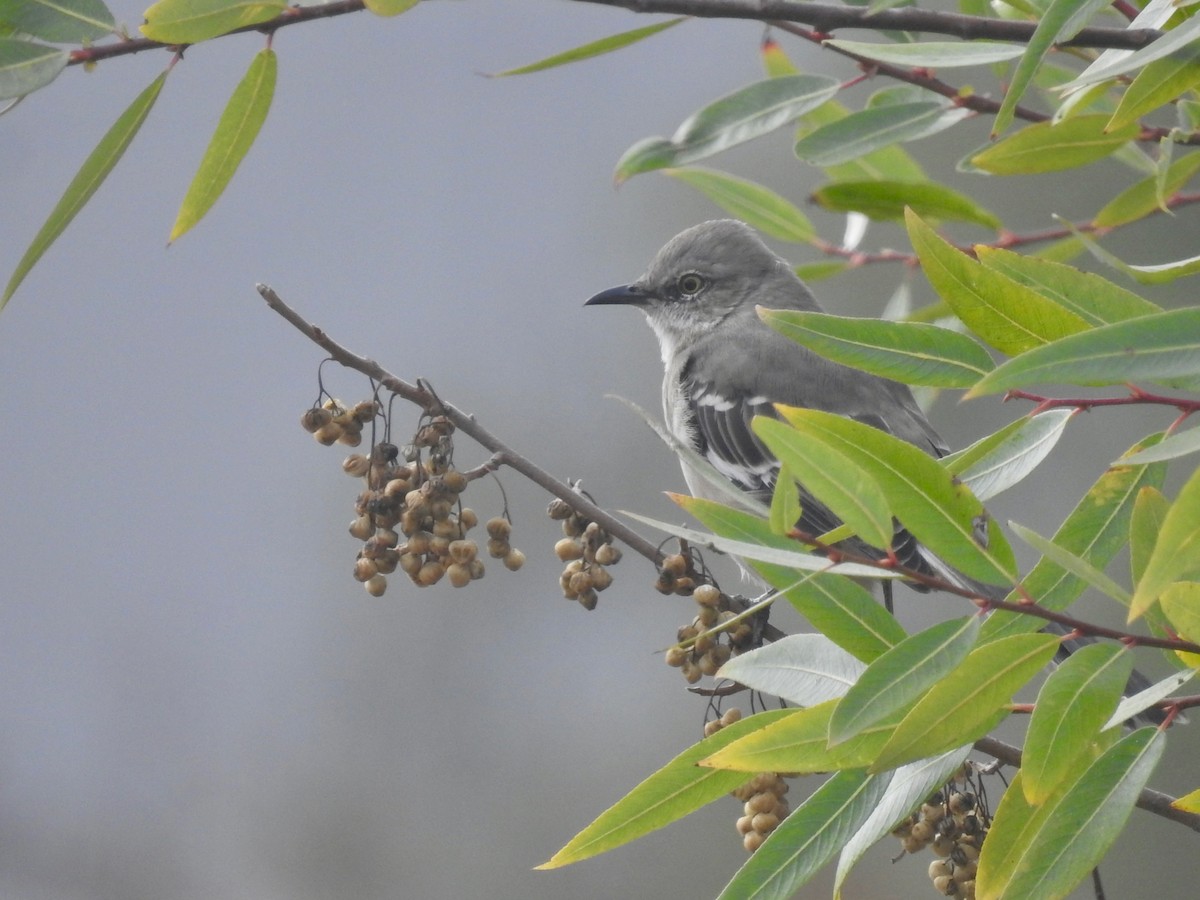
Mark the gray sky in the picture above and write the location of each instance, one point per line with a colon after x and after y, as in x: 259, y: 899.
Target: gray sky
x: 199, y: 701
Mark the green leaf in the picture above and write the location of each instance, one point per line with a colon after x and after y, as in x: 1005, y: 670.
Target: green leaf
x: 192, y: 21
x: 901, y: 675
x: 1176, y: 39
x: 1149, y: 511
x: 1154, y: 274
x: 1148, y: 697
x: 90, y: 176
x: 1176, y: 552
x: 239, y: 125
x: 870, y: 129
x: 1094, y: 531
x: 1162, y: 346
x: 1173, y: 447
x: 389, y: 8
x: 752, y: 203
x: 1018, y: 822
x: 1072, y: 708
x: 940, y: 513
x: 1061, y: 19
x: 1049, y: 147
x: 970, y: 701
x: 933, y: 54
x: 26, y: 66
x: 837, y: 482
x: 594, y: 48
x: 785, y: 503
x: 808, y: 838
x: 774, y: 60
x: 1009, y: 316
x: 909, y: 352
x: 804, y: 669
x: 889, y: 163
x: 886, y: 200
x: 1094, y: 299
x: 1160, y: 82
x: 1181, y: 605
x: 991, y: 466
x: 1078, y: 831
x: 678, y: 788
x: 1141, y: 199
x: 1072, y: 563
x: 733, y: 119
x: 61, y: 21
x: 821, y: 269
x: 800, y: 743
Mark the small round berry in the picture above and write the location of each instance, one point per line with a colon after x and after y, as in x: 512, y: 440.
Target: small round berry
x: 691, y: 672
x: 940, y: 867
x: 580, y: 582
x: 328, y: 434
x: 458, y: 574
x: 419, y: 542
x: 497, y: 549
x: 349, y: 437
x: 945, y: 885
x: 430, y: 573
x: 558, y: 509
x: 608, y: 555
x: 743, y: 825
x: 600, y: 577
x: 677, y: 656
x: 588, y: 599
x: 731, y: 715
x: 356, y: 465
x: 456, y: 481
x: 376, y: 585
x: 462, y: 551
x: 499, y: 528
x: 676, y: 564
x: 513, y: 560
x: 365, y: 570
x: 364, y: 412
x: 753, y: 840
x: 567, y: 549
x: 765, y: 823
x: 711, y: 728
x: 475, y: 567
x: 762, y: 802
x: 315, y: 419
x: 411, y: 563
x: 707, y: 595
x: 362, y: 528
x: 387, y: 561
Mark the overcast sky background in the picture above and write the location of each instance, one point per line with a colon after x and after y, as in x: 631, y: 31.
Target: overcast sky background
x: 198, y: 701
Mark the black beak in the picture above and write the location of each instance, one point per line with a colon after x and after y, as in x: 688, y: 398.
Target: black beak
x: 626, y: 294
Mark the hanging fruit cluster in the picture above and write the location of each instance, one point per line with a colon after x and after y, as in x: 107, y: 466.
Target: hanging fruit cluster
x: 588, y: 551
x: 763, y: 803
x: 953, y: 823
x: 409, y: 515
x: 700, y: 650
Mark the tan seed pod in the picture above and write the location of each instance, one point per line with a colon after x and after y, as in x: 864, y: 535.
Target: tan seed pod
x: 440, y: 509
x: 458, y: 574
x: 431, y: 573
x: 731, y: 715
x: 499, y: 528
x: 945, y: 885
x: 720, y: 655
x: 513, y: 560
x: 349, y: 437
x: 588, y: 599
x: 753, y: 840
x: 439, y: 545
x: 476, y: 568
x: 762, y: 802
x: 558, y: 509
x: 691, y: 672
x: 415, y: 500
x: 941, y: 845
x: 923, y: 832
x: 411, y: 563
x: 707, y: 664
x: 362, y: 528
x: 447, y: 528
x: 580, y: 582
x: 965, y: 854
x: 676, y: 564
x: 665, y: 582
x: 967, y: 889
x: 711, y: 727
x: 912, y: 844
x: 707, y: 595
x: 685, y: 585
x: 601, y: 578
x: 455, y: 481
x: 411, y: 522
x: 419, y: 542
x: 386, y: 537
x: 608, y: 555
x: 315, y: 419
x: 364, y: 412
x: 704, y: 643
x: 497, y: 549
x: 387, y: 561
x: 376, y: 585
x: 707, y: 616
x: 677, y: 656
x: 940, y: 867
x: 963, y: 874
x: 328, y: 434
x: 765, y: 823
x: 686, y: 633
x: 463, y: 551
x: 468, y: 518
x: 573, y: 527
x: 365, y: 569
x: 743, y: 825
x: 568, y: 549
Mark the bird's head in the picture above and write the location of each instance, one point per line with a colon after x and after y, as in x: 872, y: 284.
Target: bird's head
x: 705, y: 275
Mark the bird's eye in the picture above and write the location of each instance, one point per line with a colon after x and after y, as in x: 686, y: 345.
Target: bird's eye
x: 690, y: 283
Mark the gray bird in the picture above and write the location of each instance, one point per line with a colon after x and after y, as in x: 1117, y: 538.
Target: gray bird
x: 724, y: 366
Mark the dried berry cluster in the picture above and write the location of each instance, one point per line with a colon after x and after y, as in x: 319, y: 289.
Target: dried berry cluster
x: 953, y: 823
x: 587, y: 550
x: 763, y: 803
x: 410, y: 515
x: 699, y: 650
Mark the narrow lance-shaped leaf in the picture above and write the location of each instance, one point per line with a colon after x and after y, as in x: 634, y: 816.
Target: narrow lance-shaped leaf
x: 733, y: 119
x: 837, y: 482
x: 239, y: 125
x: 1147, y: 697
x: 908, y: 352
x: 887, y: 200
x: 678, y: 788
x: 1141, y: 199
x: 1151, y: 348
x: 1173, y: 447
x: 870, y: 129
x: 26, y: 66
x: 808, y: 838
x: 1071, y: 710
x: 933, y: 54
x: 1176, y: 552
x: 902, y: 675
x: 59, y: 21
x: 1052, y: 147
x: 1061, y: 19
x: 785, y: 502
x: 1160, y: 82
x: 1094, y: 299
x: 1015, y: 823
x: 1094, y: 531
x: 1077, y: 833
x: 594, y: 48
x: 804, y: 669
x: 940, y: 513
x: 1072, y: 563
x: 1162, y: 273
x: 1173, y: 41
x: 970, y: 701
x: 388, y: 8
x: 1011, y: 459
x: 1009, y: 316
x: 192, y: 21
x: 1181, y: 606
x: 752, y: 203
x: 90, y: 176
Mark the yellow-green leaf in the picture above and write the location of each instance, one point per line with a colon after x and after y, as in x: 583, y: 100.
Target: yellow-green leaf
x: 192, y: 21
x: 752, y: 203
x: 1176, y: 552
x: 1010, y: 316
x: 1189, y: 802
x: 588, y: 50
x: 1141, y: 199
x: 238, y: 127
x: 389, y: 7
x: 1160, y: 82
x: 1050, y: 147
x: 886, y: 200
x: 90, y: 176
x: 1181, y: 605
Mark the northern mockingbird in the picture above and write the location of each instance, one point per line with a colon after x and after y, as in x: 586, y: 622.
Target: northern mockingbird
x: 724, y: 366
